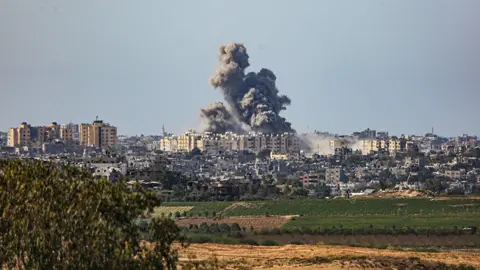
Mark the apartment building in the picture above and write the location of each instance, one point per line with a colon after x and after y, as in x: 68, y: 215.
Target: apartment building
x: 212, y: 143
x: 397, y: 144
x: 26, y: 135
x: 169, y: 144
x: 74, y: 130
x: 187, y: 142
x: 334, y: 175
x: 392, y: 144
x: 19, y: 136
x: 66, y: 133
x: 98, y: 134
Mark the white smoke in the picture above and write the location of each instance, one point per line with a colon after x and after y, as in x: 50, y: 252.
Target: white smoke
x: 325, y: 144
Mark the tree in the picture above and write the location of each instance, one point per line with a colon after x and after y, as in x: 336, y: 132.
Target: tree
x: 54, y: 217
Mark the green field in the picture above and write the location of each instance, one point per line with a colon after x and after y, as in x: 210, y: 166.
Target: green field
x: 356, y: 213
x: 198, y: 207
x: 337, y: 207
x: 353, y: 222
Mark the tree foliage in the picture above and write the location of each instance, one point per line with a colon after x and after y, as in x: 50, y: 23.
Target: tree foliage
x: 61, y: 218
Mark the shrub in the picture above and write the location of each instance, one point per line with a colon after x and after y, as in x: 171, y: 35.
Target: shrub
x: 268, y: 242
x: 143, y: 226
x: 200, y: 239
x: 250, y: 242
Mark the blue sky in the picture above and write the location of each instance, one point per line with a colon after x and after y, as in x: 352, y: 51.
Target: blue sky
x: 402, y: 66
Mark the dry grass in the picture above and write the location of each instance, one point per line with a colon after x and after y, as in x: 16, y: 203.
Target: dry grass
x: 325, y: 257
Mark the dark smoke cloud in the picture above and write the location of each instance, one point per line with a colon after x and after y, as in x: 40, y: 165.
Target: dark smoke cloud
x: 218, y: 119
x: 253, y: 99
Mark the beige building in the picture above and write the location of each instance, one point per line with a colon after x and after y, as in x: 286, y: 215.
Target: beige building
x: 169, y: 144
x: 26, y: 135
x: 369, y: 145
x: 98, y: 134
x: 66, y: 133
x: 397, y: 145
x: 20, y: 136
x: 337, y: 143
x: 278, y: 144
x: 392, y: 145
x: 186, y: 143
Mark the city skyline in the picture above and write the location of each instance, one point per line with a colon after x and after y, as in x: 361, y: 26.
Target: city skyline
x: 402, y: 67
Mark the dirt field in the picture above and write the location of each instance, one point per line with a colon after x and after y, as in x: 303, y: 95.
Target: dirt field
x: 320, y: 257
x: 257, y: 222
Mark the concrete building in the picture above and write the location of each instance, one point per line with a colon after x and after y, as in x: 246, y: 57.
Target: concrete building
x: 98, y: 134
x: 169, y: 144
x: 313, y: 179
x: 66, y: 133
x: 337, y: 143
x: 214, y: 143
x: 20, y: 136
x: 75, y: 130
x: 334, y: 175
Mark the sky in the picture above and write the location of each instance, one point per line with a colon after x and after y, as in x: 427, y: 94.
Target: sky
x: 402, y: 66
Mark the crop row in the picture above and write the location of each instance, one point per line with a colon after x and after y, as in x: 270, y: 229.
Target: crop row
x: 358, y: 207
x: 433, y: 221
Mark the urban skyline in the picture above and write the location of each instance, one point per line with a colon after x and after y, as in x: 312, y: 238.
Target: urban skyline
x: 398, y: 66
x: 309, y: 130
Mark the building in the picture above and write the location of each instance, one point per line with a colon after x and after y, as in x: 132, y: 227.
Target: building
x: 397, y: 144
x: 214, y: 143
x: 98, y: 134
x: 20, y: 136
x: 66, y: 133
x: 75, y: 130
x: 168, y: 144
x: 186, y: 142
x: 334, y: 175
x: 337, y: 143
x: 366, y: 134
x: 313, y: 179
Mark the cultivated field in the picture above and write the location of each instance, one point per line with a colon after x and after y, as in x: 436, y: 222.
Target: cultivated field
x: 166, y: 210
x: 450, y: 220
x: 335, y: 207
x: 419, y: 213
x: 320, y: 257
x: 257, y: 222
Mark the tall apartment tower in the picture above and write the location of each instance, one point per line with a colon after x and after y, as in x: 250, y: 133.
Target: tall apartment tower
x: 98, y: 134
x: 19, y: 136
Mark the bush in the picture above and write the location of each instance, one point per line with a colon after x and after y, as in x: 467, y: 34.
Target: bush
x: 250, y: 242
x: 200, y: 239
x: 143, y: 226
x: 268, y: 242
x: 62, y: 215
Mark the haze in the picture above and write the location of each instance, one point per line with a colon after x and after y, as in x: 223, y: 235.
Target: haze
x: 402, y: 66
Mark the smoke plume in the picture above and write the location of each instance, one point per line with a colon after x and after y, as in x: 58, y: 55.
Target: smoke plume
x: 253, y: 100
x: 325, y: 144
x: 217, y: 118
